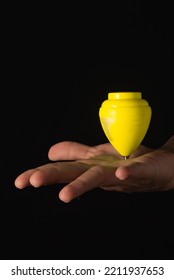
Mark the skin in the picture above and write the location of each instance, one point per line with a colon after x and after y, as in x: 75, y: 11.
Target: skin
x: 83, y: 168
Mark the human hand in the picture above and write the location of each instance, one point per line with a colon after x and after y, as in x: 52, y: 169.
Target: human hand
x: 84, y: 168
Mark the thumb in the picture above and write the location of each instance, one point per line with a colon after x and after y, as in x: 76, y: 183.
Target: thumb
x: 136, y: 170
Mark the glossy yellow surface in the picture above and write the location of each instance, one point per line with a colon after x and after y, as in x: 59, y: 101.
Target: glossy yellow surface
x: 125, y: 119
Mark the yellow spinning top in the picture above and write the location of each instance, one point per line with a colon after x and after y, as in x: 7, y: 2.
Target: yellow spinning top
x: 125, y: 119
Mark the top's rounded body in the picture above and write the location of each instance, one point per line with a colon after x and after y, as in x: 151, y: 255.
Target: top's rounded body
x: 125, y: 118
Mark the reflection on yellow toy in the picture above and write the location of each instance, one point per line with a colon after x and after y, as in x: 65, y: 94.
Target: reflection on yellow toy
x: 125, y: 119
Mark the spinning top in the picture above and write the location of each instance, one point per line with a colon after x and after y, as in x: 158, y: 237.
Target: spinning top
x: 125, y: 119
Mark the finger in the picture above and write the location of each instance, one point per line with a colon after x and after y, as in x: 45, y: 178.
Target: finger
x: 96, y: 176
x: 51, y: 173
x: 69, y: 150
x: 91, y: 179
x: 23, y: 180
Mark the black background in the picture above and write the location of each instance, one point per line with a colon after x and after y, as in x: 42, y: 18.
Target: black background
x: 60, y: 64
